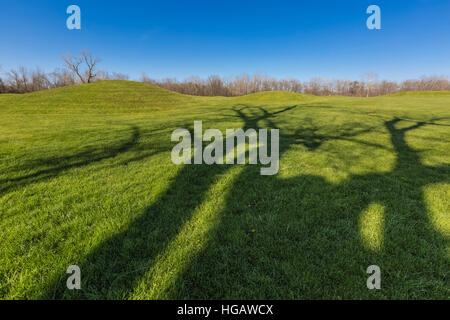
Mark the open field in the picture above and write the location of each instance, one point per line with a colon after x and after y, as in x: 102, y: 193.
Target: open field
x: 86, y: 178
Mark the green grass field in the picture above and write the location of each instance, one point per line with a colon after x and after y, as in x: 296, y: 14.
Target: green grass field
x: 86, y: 179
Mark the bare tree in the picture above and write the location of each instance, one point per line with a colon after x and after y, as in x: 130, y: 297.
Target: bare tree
x: 73, y: 64
x: 370, y: 77
x: 61, y: 78
x: 82, y: 66
x: 3, y: 87
x: 19, y: 80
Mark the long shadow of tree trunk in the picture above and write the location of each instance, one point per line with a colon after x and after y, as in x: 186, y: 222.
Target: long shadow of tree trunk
x: 314, y: 248
x: 113, y: 268
x: 317, y: 234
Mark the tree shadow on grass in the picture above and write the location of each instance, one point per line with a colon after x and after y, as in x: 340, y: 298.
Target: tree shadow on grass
x: 116, y: 265
x: 52, y: 167
x: 305, y: 238
x: 283, y: 238
x: 46, y: 168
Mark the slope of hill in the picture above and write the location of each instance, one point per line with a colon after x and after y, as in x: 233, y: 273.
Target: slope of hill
x: 110, y: 96
x: 86, y: 179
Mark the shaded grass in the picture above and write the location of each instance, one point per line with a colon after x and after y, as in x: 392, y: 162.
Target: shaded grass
x: 86, y: 178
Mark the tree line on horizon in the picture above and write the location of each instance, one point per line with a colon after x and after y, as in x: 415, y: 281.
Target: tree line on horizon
x: 83, y: 69
x: 245, y: 84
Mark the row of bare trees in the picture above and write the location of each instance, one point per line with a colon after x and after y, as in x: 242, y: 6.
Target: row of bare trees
x: 242, y: 85
x: 77, y: 69
x: 24, y: 80
x: 83, y: 69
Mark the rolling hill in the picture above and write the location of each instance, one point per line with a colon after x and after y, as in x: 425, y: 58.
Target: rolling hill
x: 86, y: 179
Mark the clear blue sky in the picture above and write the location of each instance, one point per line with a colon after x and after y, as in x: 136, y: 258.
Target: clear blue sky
x: 299, y: 39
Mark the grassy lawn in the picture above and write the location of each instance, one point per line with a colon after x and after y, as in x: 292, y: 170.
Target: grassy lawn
x: 86, y: 178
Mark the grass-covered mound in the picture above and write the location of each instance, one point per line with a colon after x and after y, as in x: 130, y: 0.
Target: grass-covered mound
x: 86, y: 179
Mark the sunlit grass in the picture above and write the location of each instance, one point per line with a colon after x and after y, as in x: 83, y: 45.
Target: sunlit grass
x: 437, y: 198
x: 190, y: 241
x: 372, y: 226
x: 86, y: 178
